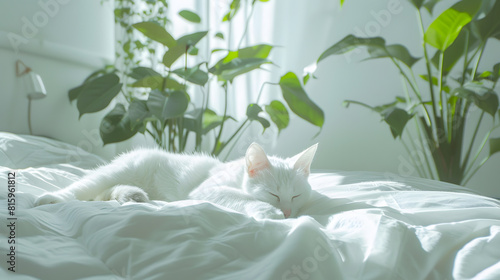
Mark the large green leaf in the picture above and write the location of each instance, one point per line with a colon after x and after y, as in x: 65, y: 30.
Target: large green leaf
x: 455, y: 51
x: 153, y: 82
x: 396, y: 51
x: 494, y: 145
x: 156, y: 32
x: 98, y: 93
x: 190, y: 16
x: 75, y: 92
x: 483, y: 98
x: 253, y: 111
x: 211, y: 120
x: 138, y: 113
x: 165, y: 107
x: 279, y: 114
x: 193, y: 75
x: 139, y: 73
x: 376, y: 48
x: 115, y: 126
x: 397, y: 119
x: 445, y: 28
x: 298, y: 101
x: 349, y: 43
x: 158, y: 82
x: 489, y: 26
x: 182, y: 46
x: 242, y: 61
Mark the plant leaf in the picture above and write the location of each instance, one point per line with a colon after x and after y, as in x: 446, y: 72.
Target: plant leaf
x: 349, y: 43
x: 219, y: 35
x: 190, y: 16
x: 279, y: 114
x: 417, y: 3
x: 211, y: 120
x: 157, y: 82
x: 193, y: 75
x: 489, y: 26
x: 376, y: 48
x: 115, y: 126
x: 455, y: 51
x: 483, y: 98
x: 182, y: 46
x: 298, y: 101
x: 253, y: 111
x: 397, y: 119
x: 429, y: 5
x: 396, y: 51
x: 241, y: 61
x: 139, y: 73
x: 494, y: 146
x: 233, y: 9
x: 138, y: 113
x: 98, y: 93
x: 166, y: 107
x: 445, y: 28
x: 156, y: 32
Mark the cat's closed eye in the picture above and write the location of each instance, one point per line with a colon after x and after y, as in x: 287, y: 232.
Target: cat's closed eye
x: 275, y: 196
x: 296, y: 196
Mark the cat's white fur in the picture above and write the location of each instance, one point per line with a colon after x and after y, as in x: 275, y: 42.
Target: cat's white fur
x: 258, y: 185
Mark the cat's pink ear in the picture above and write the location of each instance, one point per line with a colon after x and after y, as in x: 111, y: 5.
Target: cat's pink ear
x: 256, y: 160
x: 303, y: 160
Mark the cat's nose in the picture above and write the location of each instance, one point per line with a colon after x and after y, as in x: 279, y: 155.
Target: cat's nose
x: 286, y: 213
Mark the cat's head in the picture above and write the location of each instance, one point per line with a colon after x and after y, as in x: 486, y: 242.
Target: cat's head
x: 280, y: 182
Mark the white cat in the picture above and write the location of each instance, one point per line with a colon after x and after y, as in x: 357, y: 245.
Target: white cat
x: 257, y: 185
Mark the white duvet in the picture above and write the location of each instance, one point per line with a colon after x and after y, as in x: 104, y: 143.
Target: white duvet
x: 364, y: 227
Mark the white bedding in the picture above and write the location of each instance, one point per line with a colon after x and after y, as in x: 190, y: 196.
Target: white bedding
x: 365, y: 226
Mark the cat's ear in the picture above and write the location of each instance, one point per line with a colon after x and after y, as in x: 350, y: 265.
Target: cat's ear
x: 303, y: 160
x: 256, y: 160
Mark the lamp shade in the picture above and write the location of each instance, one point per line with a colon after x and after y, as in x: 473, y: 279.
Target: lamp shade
x: 35, y: 88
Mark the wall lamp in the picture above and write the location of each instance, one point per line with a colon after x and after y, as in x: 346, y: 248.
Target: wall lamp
x: 33, y: 86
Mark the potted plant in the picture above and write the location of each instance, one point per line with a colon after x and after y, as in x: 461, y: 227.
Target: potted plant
x: 154, y: 97
x: 452, y: 48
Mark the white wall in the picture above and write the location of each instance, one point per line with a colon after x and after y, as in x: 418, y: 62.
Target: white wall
x: 63, y: 41
x: 354, y: 138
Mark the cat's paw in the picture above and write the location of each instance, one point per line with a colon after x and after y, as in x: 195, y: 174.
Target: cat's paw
x: 124, y: 194
x: 51, y: 198
x: 270, y: 212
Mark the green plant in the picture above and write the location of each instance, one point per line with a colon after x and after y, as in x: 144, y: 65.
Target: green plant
x: 457, y: 39
x: 158, y: 100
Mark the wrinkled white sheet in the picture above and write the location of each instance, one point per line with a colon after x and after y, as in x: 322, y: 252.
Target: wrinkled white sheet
x: 363, y: 226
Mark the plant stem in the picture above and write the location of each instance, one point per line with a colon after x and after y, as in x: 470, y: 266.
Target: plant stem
x: 417, y: 93
x: 237, y: 139
x: 417, y: 125
x: 479, y: 151
x: 443, y: 106
x: 246, y: 25
x: 414, y: 162
x: 428, y: 66
x: 481, y: 47
x: 262, y: 88
x: 466, y: 159
x: 216, y: 150
x: 232, y: 137
x: 465, y: 57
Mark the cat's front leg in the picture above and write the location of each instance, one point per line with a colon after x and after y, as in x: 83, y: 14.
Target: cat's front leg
x: 261, y: 210
x: 54, y: 197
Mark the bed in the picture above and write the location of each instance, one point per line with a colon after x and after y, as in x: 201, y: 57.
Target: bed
x: 362, y: 226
